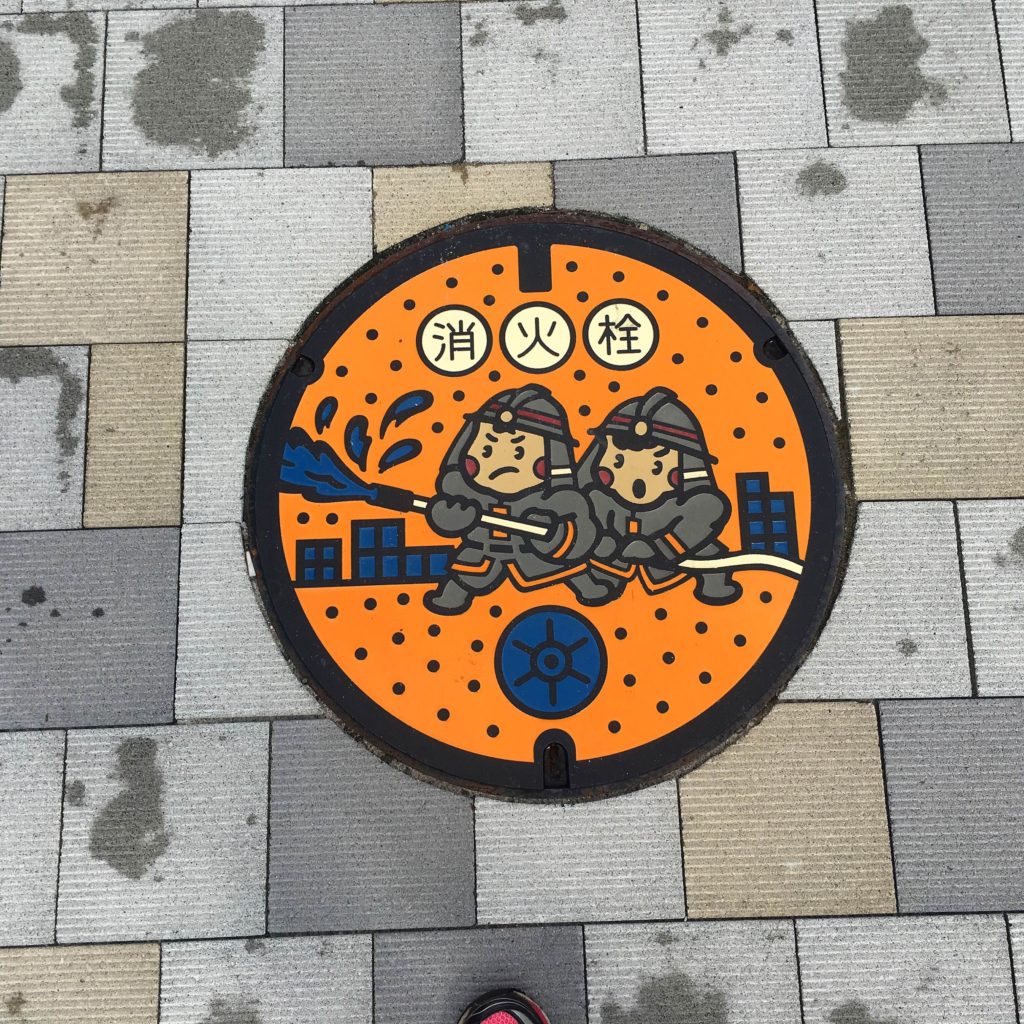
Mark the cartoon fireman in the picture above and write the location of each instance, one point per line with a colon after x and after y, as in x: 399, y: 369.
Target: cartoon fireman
x: 514, y: 458
x: 649, y: 480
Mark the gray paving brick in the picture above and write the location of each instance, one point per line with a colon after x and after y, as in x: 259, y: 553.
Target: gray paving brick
x: 836, y: 233
x: 356, y: 844
x: 709, y: 971
x: 1010, y: 18
x: 165, y: 833
x: 430, y: 977
x: 992, y: 538
x: 930, y: 970
x: 42, y: 422
x: 87, y: 621
x: 741, y: 75
x: 609, y: 860
x: 50, y: 109
x: 917, y: 71
x: 31, y: 772
x: 901, y: 589
x: 303, y: 230
x: 348, y: 106
x: 193, y: 89
x: 306, y: 980
x: 975, y: 197
x: 953, y: 771
x: 692, y: 197
x: 1016, y: 923
x: 225, y: 383
x: 551, y: 80
x: 818, y: 340
x: 229, y: 665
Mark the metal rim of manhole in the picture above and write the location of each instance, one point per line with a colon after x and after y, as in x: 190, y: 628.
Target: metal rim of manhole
x: 545, y: 505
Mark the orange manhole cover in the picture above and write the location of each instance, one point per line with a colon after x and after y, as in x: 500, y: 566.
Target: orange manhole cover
x: 545, y: 505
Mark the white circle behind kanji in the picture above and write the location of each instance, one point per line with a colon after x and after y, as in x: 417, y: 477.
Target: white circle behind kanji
x: 620, y: 334
x: 537, y: 337
x: 453, y: 340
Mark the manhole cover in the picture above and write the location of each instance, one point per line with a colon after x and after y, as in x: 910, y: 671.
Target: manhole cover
x: 545, y: 505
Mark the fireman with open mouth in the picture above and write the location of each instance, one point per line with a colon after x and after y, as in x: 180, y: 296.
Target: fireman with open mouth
x: 648, y: 477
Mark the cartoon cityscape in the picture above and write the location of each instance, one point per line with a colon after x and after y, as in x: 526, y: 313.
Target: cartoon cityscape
x: 767, y: 517
x: 380, y: 555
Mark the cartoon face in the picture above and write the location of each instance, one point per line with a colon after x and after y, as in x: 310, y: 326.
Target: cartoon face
x: 505, y: 462
x: 640, y: 476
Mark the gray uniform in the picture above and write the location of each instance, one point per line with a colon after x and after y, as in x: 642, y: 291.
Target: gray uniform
x: 489, y: 554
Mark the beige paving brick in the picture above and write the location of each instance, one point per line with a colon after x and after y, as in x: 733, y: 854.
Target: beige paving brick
x: 133, y: 447
x: 93, y: 258
x: 934, y: 406
x: 81, y: 984
x: 409, y: 199
x: 791, y: 819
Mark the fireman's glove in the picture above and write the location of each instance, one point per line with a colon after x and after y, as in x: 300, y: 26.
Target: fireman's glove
x: 452, y: 516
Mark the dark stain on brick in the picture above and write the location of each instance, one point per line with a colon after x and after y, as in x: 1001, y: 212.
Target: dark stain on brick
x: 821, y: 179
x: 17, y: 364
x: 76, y: 793
x: 54, y: 613
x: 251, y: 820
x: 665, y: 937
x: 883, y: 79
x: 78, y: 95
x: 1017, y: 543
x: 232, y: 1011
x: 129, y: 832
x: 480, y: 34
x: 670, y: 999
x: 33, y: 595
x: 785, y: 35
x: 95, y: 214
x: 727, y: 33
x: 908, y: 646
x: 98, y: 613
x: 254, y: 946
x: 853, y: 1011
x: 10, y: 76
x: 194, y: 90
x: 530, y: 14
x: 14, y: 1003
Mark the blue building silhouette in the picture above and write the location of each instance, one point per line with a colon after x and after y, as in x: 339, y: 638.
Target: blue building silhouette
x: 767, y: 517
x: 379, y: 555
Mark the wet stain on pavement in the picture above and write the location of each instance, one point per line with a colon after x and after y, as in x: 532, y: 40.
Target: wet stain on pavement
x: 194, y: 90
x: 14, y: 1003
x: 670, y: 999
x: 76, y: 793
x: 853, y: 1011
x: 232, y: 1011
x: 727, y: 33
x: 129, y: 832
x: 883, y: 79
x: 530, y: 14
x: 908, y: 647
x: 78, y: 95
x: 95, y: 214
x: 33, y: 595
x: 1014, y: 555
x: 480, y: 35
x: 10, y: 76
x: 17, y: 364
x: 785, y: 35
x: 821, y: 179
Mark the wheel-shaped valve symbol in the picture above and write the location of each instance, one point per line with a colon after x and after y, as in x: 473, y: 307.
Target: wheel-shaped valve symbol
x: 550, y: 662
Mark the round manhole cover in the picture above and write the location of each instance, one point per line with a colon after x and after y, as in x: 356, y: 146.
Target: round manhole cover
x: 545, y: 505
